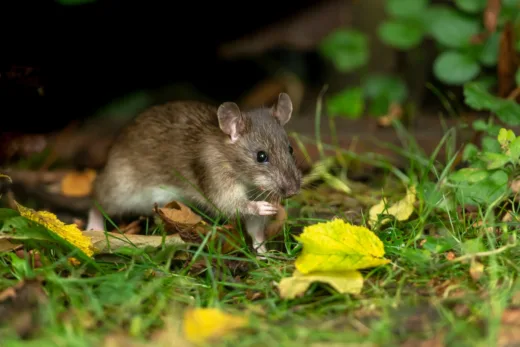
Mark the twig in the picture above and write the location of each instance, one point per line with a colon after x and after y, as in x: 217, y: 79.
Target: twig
x: 514, y: 94
x: 486, y: 253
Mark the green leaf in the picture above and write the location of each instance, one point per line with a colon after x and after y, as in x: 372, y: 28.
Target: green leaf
x: 480, y: 125
x: 349, y: 102
x: 379, y: 106
x: 392, y: 88
x: 455, y: 68
x: 470, y: 152
x: 489, y: 55
x: 469, y: 175
x: 487, y: 82
x: 490, y: 144
x: 499, y: 177
x: 472, y: 246
x: 347, y: 49
x: 495, y: 160
x: 505, y: 136
x: 517, y: 77
x: 451, y: 28
x: 6, y: 213
x: 514, y: 149
x: 401, y: 33
x: 406, y: 8
x: 471, y: 6
x: 508, y: 111
x: 439, y: 244
x: 478, y: 98
x: 483, y: 192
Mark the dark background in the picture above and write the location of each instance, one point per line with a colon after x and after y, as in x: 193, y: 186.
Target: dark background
x: 86, y: 55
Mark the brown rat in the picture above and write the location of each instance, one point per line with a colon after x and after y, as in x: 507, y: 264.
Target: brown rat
x: 220, y: 159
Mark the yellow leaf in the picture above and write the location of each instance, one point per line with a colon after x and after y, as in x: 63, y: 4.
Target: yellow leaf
x: 204, y: 324
x: 338, y: 246
x: 401, y: 210
x: 78, y: 183
x: 476, y: 269
x: 346, y: 282
x: 68, y: 232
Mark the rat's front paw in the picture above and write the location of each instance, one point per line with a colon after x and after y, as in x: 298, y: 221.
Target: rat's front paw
x: 262, y: 208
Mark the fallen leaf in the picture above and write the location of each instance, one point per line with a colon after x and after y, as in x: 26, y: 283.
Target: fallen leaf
x: 112, y: 241
x: 77, y: 184
x: 202, y: 325
x: 131, y: 228
x: 6, y: 245
x: 476, y: 270
x: 338, y: 246
x: 178, y: 218
x: 347, y: 282
x: 401, y: 210
x: 68, y: 232
x: 19, y: 305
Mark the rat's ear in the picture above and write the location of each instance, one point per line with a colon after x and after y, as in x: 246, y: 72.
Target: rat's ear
x: 230, y: 120
x: 283, y: 108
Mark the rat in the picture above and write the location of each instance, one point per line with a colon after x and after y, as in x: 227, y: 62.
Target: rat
x: 224, y: 160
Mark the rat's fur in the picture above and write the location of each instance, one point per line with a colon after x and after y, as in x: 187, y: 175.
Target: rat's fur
x: 195, y: 152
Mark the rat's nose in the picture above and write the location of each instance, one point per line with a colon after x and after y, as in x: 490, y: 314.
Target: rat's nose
x: 290, y: 191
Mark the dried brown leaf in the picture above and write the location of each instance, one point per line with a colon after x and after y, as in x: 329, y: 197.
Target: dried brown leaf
x: 110, y: 241
x: 6, y: 245
x: 78, y: 184
x: 476, y: 270
x: 131, y: 228
x: 177, y: 217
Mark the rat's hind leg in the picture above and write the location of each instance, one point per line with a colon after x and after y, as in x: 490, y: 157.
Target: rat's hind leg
x: 95, y: 220
x: 255, y: 227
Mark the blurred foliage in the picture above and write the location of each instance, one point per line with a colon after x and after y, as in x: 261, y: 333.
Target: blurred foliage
x: 465, y: 50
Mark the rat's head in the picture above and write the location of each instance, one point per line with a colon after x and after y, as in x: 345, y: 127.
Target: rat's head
x: 263, y: 156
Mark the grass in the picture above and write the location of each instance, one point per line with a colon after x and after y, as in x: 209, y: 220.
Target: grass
x: 420, y: 296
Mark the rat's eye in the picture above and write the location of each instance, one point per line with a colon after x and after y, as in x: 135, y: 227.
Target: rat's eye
x: 261, y: 157
x: 291, y: 149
